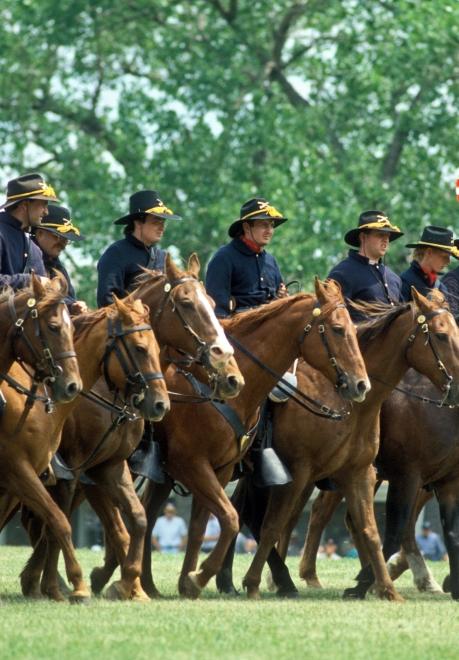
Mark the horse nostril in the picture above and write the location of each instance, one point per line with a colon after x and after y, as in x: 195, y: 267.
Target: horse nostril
x: 361, y: 387
x: 233, y: 382
x: 72, y: 389
x: 216, y: 350
x: 160, y: 408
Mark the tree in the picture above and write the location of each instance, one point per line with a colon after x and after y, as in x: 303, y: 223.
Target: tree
x: 324, y: 108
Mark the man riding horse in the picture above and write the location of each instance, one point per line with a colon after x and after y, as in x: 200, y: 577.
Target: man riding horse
x: 52, y: 237
x: 118, y: 269
x: 26, y: 205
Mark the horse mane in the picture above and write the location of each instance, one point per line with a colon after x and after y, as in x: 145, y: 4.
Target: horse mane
x: 84, y: 322
x: 51, y: 296
x: 253, y: 318
x: 6, y: 292
x: 381, y: 316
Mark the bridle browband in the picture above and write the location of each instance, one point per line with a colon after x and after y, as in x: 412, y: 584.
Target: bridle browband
x: 46, y: 369
x: 294, y: 393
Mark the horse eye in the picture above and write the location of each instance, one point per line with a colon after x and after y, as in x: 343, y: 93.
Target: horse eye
x: 442, y: 336
x: 186, y: 302
x: 140, y: 348
x: 53, y: 327
x: 338, y: 330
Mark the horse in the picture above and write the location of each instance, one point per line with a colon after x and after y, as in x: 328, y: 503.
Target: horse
x: 183, y: 318
x: 202, y: 448
x: 116, y: 341
x: 37, y: 330
x: 411, y: 334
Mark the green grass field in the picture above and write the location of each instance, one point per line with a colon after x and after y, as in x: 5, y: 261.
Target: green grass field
x: 316, y: 625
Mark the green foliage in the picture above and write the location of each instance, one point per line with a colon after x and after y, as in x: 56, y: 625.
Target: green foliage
x: 324, y: 108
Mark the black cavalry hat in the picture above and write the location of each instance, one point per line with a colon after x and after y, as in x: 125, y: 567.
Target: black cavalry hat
x: 146, y: 202
x: 438, y: 237
x: 255, y: 209
x: 372, y: 220
x: 28, y: 186
x: 58, y: 222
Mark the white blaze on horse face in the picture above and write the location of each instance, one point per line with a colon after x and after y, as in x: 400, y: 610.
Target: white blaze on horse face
x: 66, y: 316
x: 221, y: 350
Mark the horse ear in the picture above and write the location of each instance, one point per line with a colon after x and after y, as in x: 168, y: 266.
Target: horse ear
x: 121, y: 308
x: 419, y: 300
x: 193, y: 265
x: 38, y: 287
x: 172, y: 271
x: 138, y: 306
x: 320, y: 290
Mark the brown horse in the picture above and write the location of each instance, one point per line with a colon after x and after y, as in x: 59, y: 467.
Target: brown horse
x: 107, y: 339
x: 183, y: 318
x: 314, y: 449
x: 202, y: 448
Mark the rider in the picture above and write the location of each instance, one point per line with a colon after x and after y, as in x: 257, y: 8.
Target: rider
x: 123, y: 260
x: 242, y: 274
x: 432, y: 253
x: 363, y: 276
x: 26, y: 205
x: 52, y: 236
x: 118, y: 268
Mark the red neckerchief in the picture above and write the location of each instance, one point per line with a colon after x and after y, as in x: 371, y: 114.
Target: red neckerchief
x: 251, y: 245
x: 431, y: 277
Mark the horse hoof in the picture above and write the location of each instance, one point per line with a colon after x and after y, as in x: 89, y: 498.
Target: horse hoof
x: 189, y: 587
x: 79, y: 599
x: 313, y: 583
x: 352, y: 593
x: 253, y: 593
x: 447, y: 584
x: 287, y: 593
x: 139, y: 596
x: 116, y: 592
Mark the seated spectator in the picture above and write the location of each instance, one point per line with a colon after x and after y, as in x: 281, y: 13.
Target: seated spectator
x: 329, y: 550
x: 170, y: 532
x: 245, y: 544
x: 430, y: 544
x: 211, y: 534
x: 348, y: 549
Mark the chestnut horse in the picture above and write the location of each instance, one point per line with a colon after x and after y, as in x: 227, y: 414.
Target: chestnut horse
x: 202, y: 448
x: 183, y: 317
x: 106, y: 341
x: 418, y: 334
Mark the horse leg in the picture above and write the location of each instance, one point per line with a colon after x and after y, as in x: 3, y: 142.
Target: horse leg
x: 448, y: 499
x: 46, y: 551
x: 209, y: 493
x: 224, y: 578
x: 30, y: 490
x: 196, y: 530
x: 359, y: 496
x: 153, y: 499
x: 356, y: 538
x: 279, y: 508
x: 322, y: 510
x: 400, y: 506
x: 116, y: 487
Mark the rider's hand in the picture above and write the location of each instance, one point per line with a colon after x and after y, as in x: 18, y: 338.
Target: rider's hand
x: 79, y: 307
x: 282, y: 291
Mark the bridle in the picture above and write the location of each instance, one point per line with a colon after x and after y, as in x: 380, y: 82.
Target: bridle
x: 294, y: 393
x: 136, y: 380
x: 341, y: 375
x: 423, y: 326
x: 202, y: 355
x: 46, y: 369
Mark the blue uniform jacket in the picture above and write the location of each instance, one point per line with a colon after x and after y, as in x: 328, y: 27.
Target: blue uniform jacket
x: 236, y: 271
x: 451, y: 282
x: 415, y: 276
x: 121, y: 263
x: 57, y: 264
x: 361, y: 280
x: 15, y: 246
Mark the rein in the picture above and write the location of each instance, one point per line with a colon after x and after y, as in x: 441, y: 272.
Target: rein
x: 46, y: 369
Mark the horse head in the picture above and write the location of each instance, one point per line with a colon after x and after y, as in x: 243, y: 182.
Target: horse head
x: 433, y: 346
x: 131, y: 361
x: 183, y: 317
x: 330, y: 345
x: 42, y: 336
